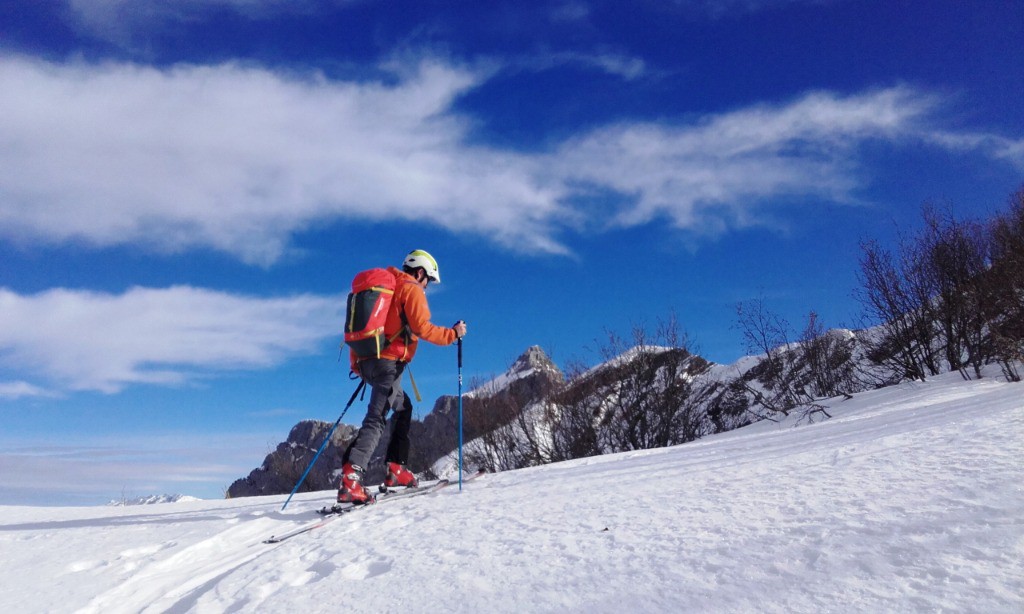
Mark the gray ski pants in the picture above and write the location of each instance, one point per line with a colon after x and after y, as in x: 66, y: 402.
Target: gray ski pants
x: 384, y: 377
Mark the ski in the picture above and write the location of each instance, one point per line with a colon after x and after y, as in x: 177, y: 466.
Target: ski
x: 387, y: 494
x: 390, y: 491
x: 276, y: 539
x: 476, y: 474
x: 332, y: 513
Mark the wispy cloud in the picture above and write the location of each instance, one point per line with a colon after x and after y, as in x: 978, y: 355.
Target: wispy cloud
x: 240, y: 159
x: 76, y: 340
x: 623, y: 66
x: 120, y: 20
x: 723, y: 168
x: 21, y: 389
x: 718, y: 9
x: 127, y: 21
x: 994, y: 146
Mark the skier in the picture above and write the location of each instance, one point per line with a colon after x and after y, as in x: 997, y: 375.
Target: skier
x: 408, y: 319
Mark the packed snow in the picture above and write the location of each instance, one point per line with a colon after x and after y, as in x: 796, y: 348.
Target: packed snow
x: 910, y: 498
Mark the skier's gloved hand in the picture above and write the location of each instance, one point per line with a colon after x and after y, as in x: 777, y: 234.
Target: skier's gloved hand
x: 460, y: 329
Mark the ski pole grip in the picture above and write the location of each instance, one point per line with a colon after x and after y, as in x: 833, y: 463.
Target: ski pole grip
x: 460, y: 353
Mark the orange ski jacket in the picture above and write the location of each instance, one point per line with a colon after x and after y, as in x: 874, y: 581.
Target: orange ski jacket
x: 410, y: 300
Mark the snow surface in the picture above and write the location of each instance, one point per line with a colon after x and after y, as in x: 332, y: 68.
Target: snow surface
x: 910, y: 499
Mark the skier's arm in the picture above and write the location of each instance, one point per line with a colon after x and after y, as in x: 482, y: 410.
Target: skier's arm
x: 417, y: 313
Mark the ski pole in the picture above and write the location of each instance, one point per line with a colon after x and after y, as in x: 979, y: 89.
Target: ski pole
x: 324, y: 444
x: 460, y: 414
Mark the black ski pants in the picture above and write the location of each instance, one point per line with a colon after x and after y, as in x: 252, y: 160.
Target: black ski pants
x: 384, y: 377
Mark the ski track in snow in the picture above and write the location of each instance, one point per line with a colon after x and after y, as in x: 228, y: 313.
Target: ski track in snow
x: 909, y: 499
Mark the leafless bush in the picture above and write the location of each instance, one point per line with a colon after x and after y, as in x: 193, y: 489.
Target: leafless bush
x: 509, y: 437
x: 1007, y: 280
x: 956, y: 261
x: 791, y: 376
x: 647, y: 393
x: 828, y: 358
x: 573, y: 416
x: 952, y: 298
x: 891, y: 296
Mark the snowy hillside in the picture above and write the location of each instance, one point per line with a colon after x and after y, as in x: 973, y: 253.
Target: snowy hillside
x: 909, y: 499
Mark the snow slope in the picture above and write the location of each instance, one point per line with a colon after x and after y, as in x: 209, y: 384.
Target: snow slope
x: 910, y: 499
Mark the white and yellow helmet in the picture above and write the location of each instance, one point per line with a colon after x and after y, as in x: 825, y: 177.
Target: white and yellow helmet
x: 419, y: 259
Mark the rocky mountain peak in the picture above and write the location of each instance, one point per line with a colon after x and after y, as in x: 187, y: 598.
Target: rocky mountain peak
x: 533, y: 359
x: 533, y: 364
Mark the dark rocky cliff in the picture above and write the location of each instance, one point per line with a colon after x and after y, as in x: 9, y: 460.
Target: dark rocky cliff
x: 282, y: 468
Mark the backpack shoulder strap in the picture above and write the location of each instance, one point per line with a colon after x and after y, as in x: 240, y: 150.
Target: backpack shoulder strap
x: 406, y: 331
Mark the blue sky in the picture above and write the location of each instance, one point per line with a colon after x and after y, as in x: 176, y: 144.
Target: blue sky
x: 186, y: 190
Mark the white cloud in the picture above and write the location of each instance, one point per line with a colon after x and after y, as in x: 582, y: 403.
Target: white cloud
x: 998, y: 147
x: 625, y: 67
x: 126, y: 21
x: 239, y: 159
x: 723, y: 168
x: 717, y: 9
x: 81, y: 340
x: 570, y: 11
x: 20, y: 389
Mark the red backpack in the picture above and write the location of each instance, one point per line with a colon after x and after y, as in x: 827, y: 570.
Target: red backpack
x: 368, y: 306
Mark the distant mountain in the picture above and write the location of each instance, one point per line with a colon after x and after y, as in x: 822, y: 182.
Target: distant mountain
x: 648, y: 396
x: 530, y: 375
x: 651, y: 396
x: 152, y: 499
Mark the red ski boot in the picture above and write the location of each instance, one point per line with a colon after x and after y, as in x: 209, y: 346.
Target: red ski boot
x: 398, y: 475
x: 351, y: 489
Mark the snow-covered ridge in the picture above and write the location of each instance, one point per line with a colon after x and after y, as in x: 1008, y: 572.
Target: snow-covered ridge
x: 152, y: 500
x: 532, y: 361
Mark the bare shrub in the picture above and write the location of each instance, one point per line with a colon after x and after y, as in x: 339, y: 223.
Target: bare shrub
x: 791, y: 376
x: 955, y: 255
x: 1006, y: 323
x: 891, y: 296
